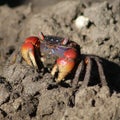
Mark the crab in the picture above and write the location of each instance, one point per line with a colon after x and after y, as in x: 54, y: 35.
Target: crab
x: 65, y: 58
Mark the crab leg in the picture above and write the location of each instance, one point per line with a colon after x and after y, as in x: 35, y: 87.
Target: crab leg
x: 101, y: 73
x: 77, y: 74
x: 87, y: 74
x: 85, y: 81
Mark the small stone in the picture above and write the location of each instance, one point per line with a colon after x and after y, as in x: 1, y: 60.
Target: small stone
x: 81, y: 22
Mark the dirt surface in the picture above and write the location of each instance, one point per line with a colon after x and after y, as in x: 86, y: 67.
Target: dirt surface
x: 27, y: 94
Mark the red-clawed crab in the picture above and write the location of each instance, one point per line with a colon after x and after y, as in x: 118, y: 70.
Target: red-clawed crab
x: 65, y: 56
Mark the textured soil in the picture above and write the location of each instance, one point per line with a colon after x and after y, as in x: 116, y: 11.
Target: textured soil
x: 27, y: 94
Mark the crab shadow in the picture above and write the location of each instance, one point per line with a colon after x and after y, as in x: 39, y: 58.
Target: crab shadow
x: 112, y: 74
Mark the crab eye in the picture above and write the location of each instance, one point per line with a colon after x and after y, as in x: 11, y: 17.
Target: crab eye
x: 51, y: 40
x: 42, y: 37
x: 57, y: 40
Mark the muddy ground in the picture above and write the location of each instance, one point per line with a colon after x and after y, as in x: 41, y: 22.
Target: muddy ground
x: 27, y: 94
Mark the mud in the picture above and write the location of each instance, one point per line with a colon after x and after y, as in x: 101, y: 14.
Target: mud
x: 30, y: 95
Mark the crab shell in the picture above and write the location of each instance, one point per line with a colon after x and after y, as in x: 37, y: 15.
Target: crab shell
x: 45, y: 48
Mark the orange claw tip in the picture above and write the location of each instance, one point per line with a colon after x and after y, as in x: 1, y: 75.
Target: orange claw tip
x: 71, y: 53
x: 65, y: 66
x: 27, y: 51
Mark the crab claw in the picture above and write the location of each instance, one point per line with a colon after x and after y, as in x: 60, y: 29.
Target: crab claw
x: 65, y: 64
x: 30, y: 50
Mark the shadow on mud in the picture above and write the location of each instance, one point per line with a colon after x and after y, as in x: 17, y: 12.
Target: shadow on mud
x: 112, y: 73
x: 12, y: 3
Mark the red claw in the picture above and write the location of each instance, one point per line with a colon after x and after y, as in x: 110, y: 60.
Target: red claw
x: 29, y: 50
x: 33, y: 40
x: 71, y: 54
x: 65, y: 64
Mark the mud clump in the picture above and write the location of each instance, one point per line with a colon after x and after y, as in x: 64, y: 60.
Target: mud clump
x: 29, y: 95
